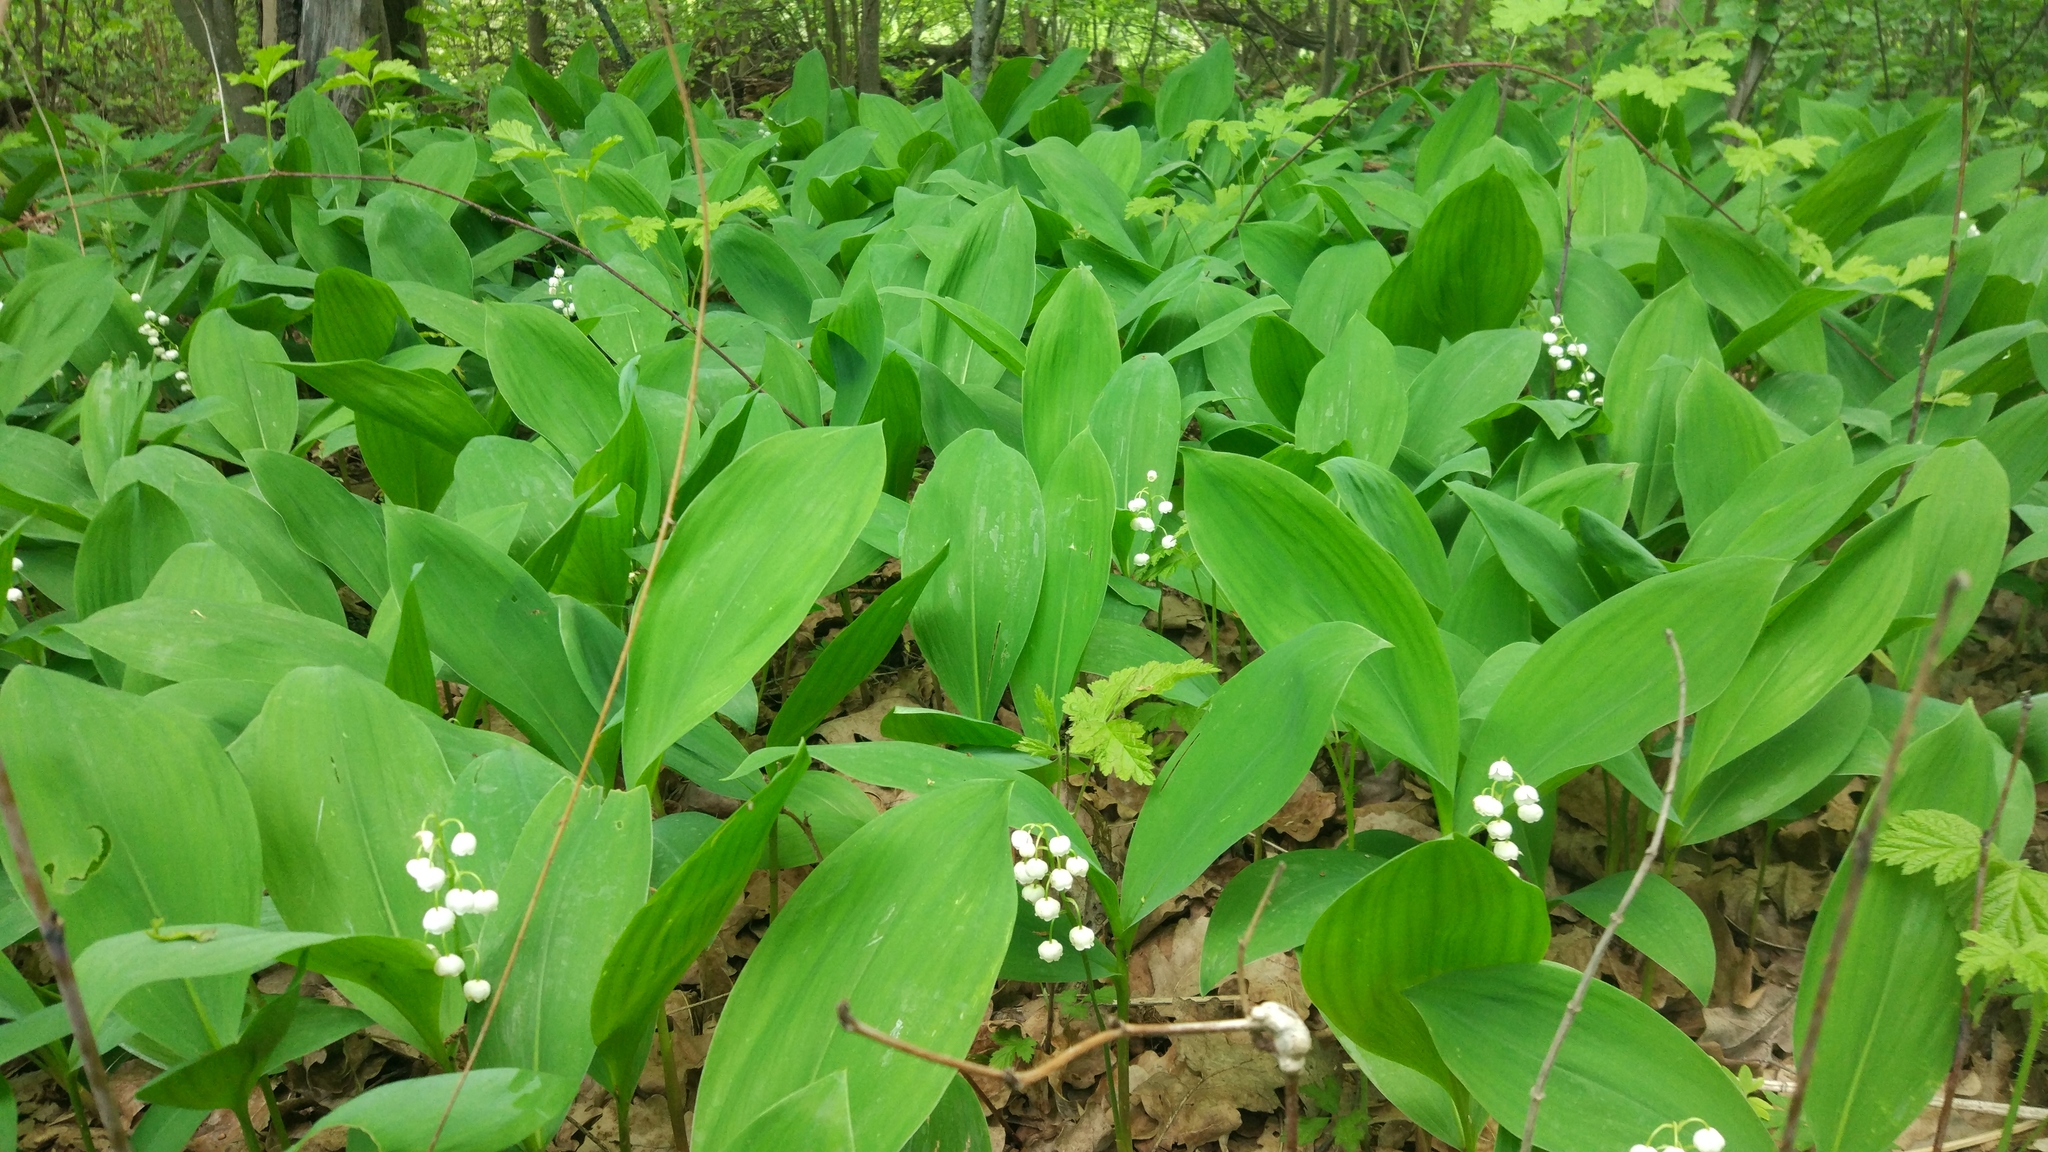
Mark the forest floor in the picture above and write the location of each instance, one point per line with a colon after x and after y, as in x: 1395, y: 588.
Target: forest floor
x: 1215, y: 1091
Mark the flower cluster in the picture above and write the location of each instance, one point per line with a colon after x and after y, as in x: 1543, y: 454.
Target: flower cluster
x: 15, y: 595
x: 1046, y: 881
x: 152, y: 331
x: 1567, y: 355
x: 1704, y: 1139
x: 427, y: 870
x: 1969, y: 227
x: 1143, y: 512
x: 1493, y: 808
x: 556, y: 299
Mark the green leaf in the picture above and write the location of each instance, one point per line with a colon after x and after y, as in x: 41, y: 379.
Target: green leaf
x: 1377, y: 501
x: 1439, y: 907
x: 1313, y: 880
x: 1736, y: 274
x: 762, y: 278
x: 1929, y: 838
x: 181, y: 640
x: 496, y: 1108
x: 1963, y: 527
x: 1468, y: 380
x: 1136, y: 422
x: 1623, y: 1069
x: 410, y: 241
x: 1661, y: 922
x: 553, y: 377
x: 956, y: 1123
x: 759, y: 542
x: 1084, y: 194
x: 598, y: 880
x: 1240, y: 765
x: 1820, y: 634
x: 131, y: 537
x: 108, y: 825
x: 1354, y: 396
x: 665, y: 936
x: 254, y: 534
x: 225, y: 1077
x: 1781, y: 508
x: 114, y: 972
x: 425, y: 404
x: 988, y: 266
x: 907, y: 922
x: 1042, y: 90
x: 1724, y: 433
x: 854, y: 653
x: 1764, y: 780
x: 1287, y: 559
x: 1861, y: 1094
x: 1542, y: 557
x: 2018, y: 436
x: 814, y: 1116
x: 1470, y: 267
x: 988, y: 333
x: 494, y: 625
x: 1080, y: 504
x: 1281, y: 360
x: 1656, y: 353
x: 46, y: 316
x: 1546, y: 722
x: 1072, y: 354
x: 1335, y: 289
x: 260, y: 406
x: 44, y: 476
x: 1837, y: 204
x: 328, y: 522
x: 1464, y: 126
x: 982, y: 498
x: 1797, y: 307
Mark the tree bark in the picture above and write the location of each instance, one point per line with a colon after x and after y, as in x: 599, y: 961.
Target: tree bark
x: 537, y: 34
x: 980, y: 44
x: 604, y: 17
x: 210, y: 25
x: 870, y: 50
x: 835, y: 43
x: 325, y: 25
x: 1759, y: 60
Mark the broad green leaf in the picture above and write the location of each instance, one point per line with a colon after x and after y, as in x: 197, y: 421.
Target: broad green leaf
x: 815, y: 1116
x: 1354, y: 395
x: 1288, y: 559
x: 1278, y: 252
x: 1891, y: 1021
x: 495, y: 627
x: 109, y: 825
x: 956, y: 1123
x: 1201, y: 89
x: 1378, y: 502
x: 989, y: 334
x: 180, y: 639
x: 112, y: 971
x: 553, y: 377
x: 664, y: 937
x: 1084, y: 193
x: 982, y: 499
x: 598, y: 880
x: 238, y: 366
x: 44, y: 476
x: 1642, y: 388
x: 410, y: 241
x: 1336, y: 288
x: 1820, y: 634
x: 1136, y: 422
x: 1613, y: 188
x: 1542, y: 557
x: 1623, y: 1069
x: 1080, y: 504
x: 759, y: 542
x: 989, y: 267
x: 1961, y: 528
x: 47, y: 314
x: 1661, y: 923
x: 420, y: 403
x: 1072, y: 354
x: 1466, y: 381
x: 1736, y: 274
x: 496, y: 1108
x: 1470, y: 267
x: 1281, y: 360
x: 1044, y: 87
x: 907, y: 922
x: 1464, y: 126
x: 1314, y: 878
x: 254, y: 534
x: 2018, y: 436
x: 1781, y: 506
x: 762, y: 278
x: 1240, y: 765
x: 110, y: 418
x: 854, y: 653
x: 1546, y: 722
x: 1837, y: 204
x: 1764, y: 780
x: 1439, y: 907
x: 131, y: 537
x: 328, y: 522
x: 1724, y: 433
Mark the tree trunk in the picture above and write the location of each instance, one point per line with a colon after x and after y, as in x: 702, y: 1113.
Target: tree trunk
x: 404, y: 37
x: 211, y: 25
x: 537, y: 34
x: 835, y: 43
x: 870, y: 52
x: 1759, y: 61
x: 1330, y: 48
x: 604, y: 16
x: 980, y: 44
x: 325, y: 25
x: 1027, y: 28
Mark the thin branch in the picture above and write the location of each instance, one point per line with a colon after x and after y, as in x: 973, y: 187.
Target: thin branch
x: 56, y: 149
x: 1244, y: 988
x: 1955, y: 228
x: 1859, y: 861
x: 60, y: 960
x: 661, y: 539
x: 1635, y: 884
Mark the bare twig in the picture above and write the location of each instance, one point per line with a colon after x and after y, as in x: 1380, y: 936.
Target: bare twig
x: 1859, y: 861
x: 60, y: 961
x: 1244, y: 988
x: 1963, y: 1029
x: 1635, y: 884
x: 1955, y: 228
x: 661, y: 539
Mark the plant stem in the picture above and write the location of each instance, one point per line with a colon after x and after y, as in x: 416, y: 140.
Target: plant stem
x: 276, y: 1114
x: 622, y: 1108
x: 774, y: 870
x: 672, y: 1083
x: 249, y: 1136
x: 2019, y: 1083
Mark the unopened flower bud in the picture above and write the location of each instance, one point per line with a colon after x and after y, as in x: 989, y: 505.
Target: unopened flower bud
x: 1151, y: 473
x: 449, y: 965
x: 1529, y: 813
x: 1556, y: 320
x: 135, y: 297
x: 1488, y: 806
x: 1142, y: 559
x: 1046, y: 909
x: 476, y: 991
x: 1050, y: 951
x: 17, y: 563
x: 462, y: 844
x: 437, y: 921
x: 1572, y: 393
x: 560, y: 271
x: 1081, y: 937
x: 1550, y: 337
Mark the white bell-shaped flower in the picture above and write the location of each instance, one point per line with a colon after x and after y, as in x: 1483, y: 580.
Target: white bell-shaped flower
x: 1046, y: 909
x: 1501, y: 771
x: 16, y: 596
x: 1572, y: 393
x: 1033, y: 893
x: 1076, y: 866
x: 1500, y: 830
x: 1529, y: 813
x: 1641, y: 1148
x: 449, y: 965
x: 1556, y: 320
x: 476, y: 991
x: 1037, y: 868
x: 1550, y: 337
x: 1143, y: 523
x: 1527, y: 794
x: 425, y: 840
x: 437, y: 921
x: 458, y: 901
x: 1137, y: 504
x: 1142, y: 559
x: 1709, y: 1140
x: 483, y: 901
x: 1059, y: 845
x: 1151, y: 474
x: 135, y: 297
x: 1060, y: 880
x: 1022, y: 871
x: 1488, y: 806
x: 1023, y: 843
x: 1050, y: 951
x: 1507, y: 850
x: 1167, y: 541
x: 431, y: 878
x: 462, y: 844
x: 1081, y: 937
x: 1164, y: 507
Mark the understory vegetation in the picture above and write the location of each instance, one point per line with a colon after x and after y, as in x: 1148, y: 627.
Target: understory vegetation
x: 1373, y: 599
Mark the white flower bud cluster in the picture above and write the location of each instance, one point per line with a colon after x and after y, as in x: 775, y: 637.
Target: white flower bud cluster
x: 1493, y: 808
x: 1969, y: 226
x: 15, y: 595
x: 1704, y: 1139
x: 432, y: 867
x: 1568, y: 355
x: 1148, y: 516
x: 160, y: 346
x: 556, y: 299
x: 1047, y: 881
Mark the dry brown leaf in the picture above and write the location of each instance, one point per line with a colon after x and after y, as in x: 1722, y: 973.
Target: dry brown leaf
x: 1200, y: 1088
x: 1302, y: 817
